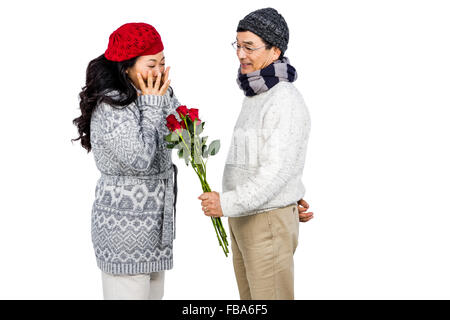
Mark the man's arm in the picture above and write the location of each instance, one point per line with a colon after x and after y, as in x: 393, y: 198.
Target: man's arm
x: 283, y: 142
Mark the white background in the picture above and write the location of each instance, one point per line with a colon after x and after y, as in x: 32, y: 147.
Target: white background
x: 375, y: 76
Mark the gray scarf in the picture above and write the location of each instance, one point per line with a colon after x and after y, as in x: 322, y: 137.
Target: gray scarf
x: 262, y: 80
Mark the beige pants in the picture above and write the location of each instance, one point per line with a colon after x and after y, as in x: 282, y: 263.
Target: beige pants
x: 133, y: 287
x: 263, y: 247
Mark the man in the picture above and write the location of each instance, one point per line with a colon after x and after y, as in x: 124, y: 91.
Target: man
x: 262, y: 175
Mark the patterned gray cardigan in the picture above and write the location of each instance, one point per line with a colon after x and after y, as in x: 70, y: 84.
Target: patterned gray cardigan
x: 132, y: 218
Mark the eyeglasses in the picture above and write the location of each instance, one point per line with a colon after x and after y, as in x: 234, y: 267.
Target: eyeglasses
x: 246, y: 49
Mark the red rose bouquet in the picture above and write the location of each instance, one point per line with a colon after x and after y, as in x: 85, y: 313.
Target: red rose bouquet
x: 185, y: 136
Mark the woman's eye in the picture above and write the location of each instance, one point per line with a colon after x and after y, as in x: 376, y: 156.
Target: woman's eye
x: 151, y: 66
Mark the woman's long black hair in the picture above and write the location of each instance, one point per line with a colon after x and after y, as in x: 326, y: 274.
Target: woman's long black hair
x: 102, y: 77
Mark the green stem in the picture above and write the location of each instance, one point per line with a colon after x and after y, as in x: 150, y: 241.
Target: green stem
x: 184, y: 142
x: 224, y: 234
x: 224, y: 248
x: 200, y: 176
x: 196, y: 148
x: 200, y: 170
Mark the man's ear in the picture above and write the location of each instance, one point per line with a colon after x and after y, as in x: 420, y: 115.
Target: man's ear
x: 276, y: 54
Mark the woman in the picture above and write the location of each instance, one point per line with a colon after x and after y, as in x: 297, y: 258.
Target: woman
x: 123, y: 109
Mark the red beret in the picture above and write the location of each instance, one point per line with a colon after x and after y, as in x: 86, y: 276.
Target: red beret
x: 133, y: 40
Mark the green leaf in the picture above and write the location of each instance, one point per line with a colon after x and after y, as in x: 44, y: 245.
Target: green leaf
x: 179, y: 145
x: 186, y: 155
x: 172, y: 137
x: 205, y: 151
x: 199, y: 128
x: 180, y: 153
x: 197, y: 158
x: 186, y: 136
x: 196, y: 147
x: 204, y: 140
x: 190, y: 126
x: 214, y: 147
x: 175, y: 145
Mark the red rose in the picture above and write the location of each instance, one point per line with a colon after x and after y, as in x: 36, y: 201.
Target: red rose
x: 182, y: 110
x: 193, y: 114
x: 174, y: 126
x: 172, y: 123
x: 171, y: 119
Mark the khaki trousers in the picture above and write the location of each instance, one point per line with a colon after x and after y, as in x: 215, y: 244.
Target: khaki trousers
x: 263, y: 247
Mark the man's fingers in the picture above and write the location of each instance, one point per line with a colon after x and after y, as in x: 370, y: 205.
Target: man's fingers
x: 304, y: 217
x: 303, y: 203
x: 204, y: 196
x: 206, y: 203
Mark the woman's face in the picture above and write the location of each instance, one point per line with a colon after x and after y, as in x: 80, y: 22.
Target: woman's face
x: 147, y: 66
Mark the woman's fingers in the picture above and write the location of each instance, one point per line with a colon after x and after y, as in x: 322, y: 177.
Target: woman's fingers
x: 164, y: 88
x: 166, y: 82
x: 166, y: 75
x: 157, y: 82
x: 141, y: 83
x: 150, y: 79
x: 154, y: 87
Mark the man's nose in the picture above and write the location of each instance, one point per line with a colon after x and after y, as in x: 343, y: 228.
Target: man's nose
x: 241, y: 54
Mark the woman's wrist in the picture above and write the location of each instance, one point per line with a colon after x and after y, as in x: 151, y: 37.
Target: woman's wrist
x: 149, y: 100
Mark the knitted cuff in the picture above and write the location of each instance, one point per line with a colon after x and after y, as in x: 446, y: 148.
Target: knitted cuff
x: 225, y: 203
x: 149, y: 100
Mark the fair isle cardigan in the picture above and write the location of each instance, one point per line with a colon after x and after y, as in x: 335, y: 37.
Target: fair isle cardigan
x: 132, y: 218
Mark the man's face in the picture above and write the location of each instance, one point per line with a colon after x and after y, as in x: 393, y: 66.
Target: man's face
x: 252, y: 60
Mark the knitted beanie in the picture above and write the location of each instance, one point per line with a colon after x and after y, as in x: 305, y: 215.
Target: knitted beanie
x: 132, y: 40
x: 269, y: 25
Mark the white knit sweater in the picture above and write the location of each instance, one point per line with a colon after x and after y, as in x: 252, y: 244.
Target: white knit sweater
x: 265, y: 162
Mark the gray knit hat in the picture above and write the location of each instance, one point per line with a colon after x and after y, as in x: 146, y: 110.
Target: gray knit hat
x: 269, y: 25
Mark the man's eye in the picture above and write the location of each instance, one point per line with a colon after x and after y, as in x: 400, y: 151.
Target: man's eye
x: 151, y: 66
x: 248, y: 48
